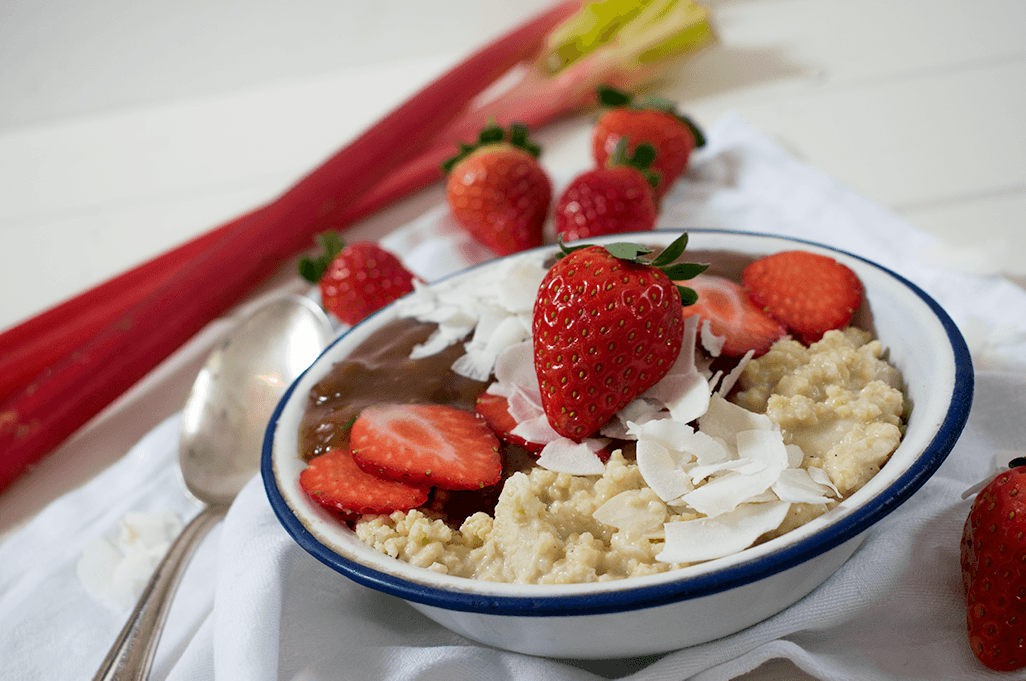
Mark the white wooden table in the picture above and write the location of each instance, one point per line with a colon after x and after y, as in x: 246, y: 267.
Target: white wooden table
x: 127, y: 128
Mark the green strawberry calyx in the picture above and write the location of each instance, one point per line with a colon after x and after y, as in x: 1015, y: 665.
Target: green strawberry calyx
x: 611, y: 97
x: 664, y: 262
x: 312, y: 268
x: 517, y: 135
x: 641, y: 160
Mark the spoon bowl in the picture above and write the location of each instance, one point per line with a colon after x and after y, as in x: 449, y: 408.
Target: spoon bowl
x: 222, y: 427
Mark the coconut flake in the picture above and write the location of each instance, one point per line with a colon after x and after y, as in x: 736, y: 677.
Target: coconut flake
x: 118, y: 569
x: 566, y: 456
x: 662, y: 470
x: 797, y: 486
x: 731, y: 378
x: 725, y: 419
x: 667, y: 432
x: 536, y: 430
x: 823, y: 478
x: 631, y: 512
x: 683, y: 390
x: 690, y: 541
x: 493, y: 305
x: 712, y: 343
x: 707, y: 449
x: 741, y: 466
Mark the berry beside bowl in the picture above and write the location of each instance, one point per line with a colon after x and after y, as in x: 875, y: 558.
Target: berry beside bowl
x: 656, y: 613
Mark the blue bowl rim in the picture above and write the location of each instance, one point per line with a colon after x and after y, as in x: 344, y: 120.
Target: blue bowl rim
x: 636, y: 598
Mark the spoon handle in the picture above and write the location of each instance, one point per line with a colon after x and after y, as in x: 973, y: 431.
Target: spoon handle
x: 133, y: 652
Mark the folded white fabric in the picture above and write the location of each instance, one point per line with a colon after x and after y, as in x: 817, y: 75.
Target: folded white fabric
x: 255, y: 606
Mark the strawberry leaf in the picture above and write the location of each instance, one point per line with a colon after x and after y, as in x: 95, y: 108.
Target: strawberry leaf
x: 331, y: 245
x: 628, y: 251
x: 611, y: 97
x: 517, y: 136
x: 688, y: 296
x: 683, y: 271
x: 671, y: 252
x: 640, y: 160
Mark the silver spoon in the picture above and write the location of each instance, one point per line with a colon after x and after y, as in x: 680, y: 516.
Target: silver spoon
x: 222, y: 431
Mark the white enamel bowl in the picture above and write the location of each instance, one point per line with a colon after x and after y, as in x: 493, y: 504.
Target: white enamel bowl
x: 664, y: 612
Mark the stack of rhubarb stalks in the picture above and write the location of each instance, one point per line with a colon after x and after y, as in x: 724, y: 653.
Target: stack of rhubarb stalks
x: 61, y: 368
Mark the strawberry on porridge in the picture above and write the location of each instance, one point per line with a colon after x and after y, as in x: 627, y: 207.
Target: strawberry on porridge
x: 609, y: 415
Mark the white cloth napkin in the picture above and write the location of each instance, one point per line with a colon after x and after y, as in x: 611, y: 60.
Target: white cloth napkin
x: 255, y: 606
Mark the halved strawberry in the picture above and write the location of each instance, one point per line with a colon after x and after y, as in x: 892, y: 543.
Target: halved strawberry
x: 808, y: 292
x: 431, y: 444
x: 732, y: 315
x: 494, y: 409
x: 335, y: 481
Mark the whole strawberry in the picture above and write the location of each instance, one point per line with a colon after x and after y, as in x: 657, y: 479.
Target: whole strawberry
x: 357, y: 279
x: 993, y: 559
x: 654, y: 121
x: 498, y: 192
x: 810, y: 293
x: 615, y: 198
x: 607, y: 326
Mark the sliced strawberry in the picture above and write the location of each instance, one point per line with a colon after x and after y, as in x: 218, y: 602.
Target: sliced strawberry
x: 733, y: 316
x: 335, y: 481
x: 495, y: 411
x: 808, y: 292
x: 429, y: 444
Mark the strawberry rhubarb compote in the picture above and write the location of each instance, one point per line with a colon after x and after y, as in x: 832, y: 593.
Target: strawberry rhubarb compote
x: 624, y: 426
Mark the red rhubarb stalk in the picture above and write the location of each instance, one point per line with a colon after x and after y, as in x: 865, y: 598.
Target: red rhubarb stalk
x: 45, y: 413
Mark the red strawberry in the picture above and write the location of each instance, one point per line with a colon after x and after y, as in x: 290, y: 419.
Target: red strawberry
x: 494, y: 409
x: 993, y: 558
x: 498, y: 192
x: 335, y: 481
x: 431, y: 444
x: 607, y: 326
x: 357, y: 279
x: 733, y: 316
x: 654, y: 121
x: 808, y: 292
x: 612, y: 199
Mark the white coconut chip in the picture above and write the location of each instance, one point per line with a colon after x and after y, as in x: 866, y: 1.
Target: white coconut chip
x: 691, y: 541
x: 725, y: 419
x: 731, y: 378
x: 667, y: 432
x: 494, y: 306
x: 823, y: 478
x: 637, y: 411
x: 662, y: 470
x: 707, y: 449
x: 118, y: 570
x: 631, y: 512
x: 699, y: 473
x: 712, y: 343
x: 725, y: 493
x: 514, y: 366
x: 683, y: 390
x: 536, y: 430
x: 797, y: 486
x: 523, y: 405
x: 566, y: 456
